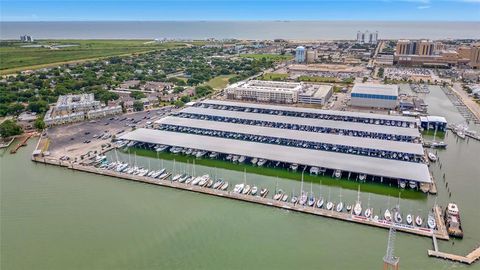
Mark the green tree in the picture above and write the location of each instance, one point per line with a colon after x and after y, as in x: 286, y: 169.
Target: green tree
x: 39, y: 123
x: 40, y: 106
x: 138, y: 105
x: 179, y: 103
x: 10, y: 128
x: 15, y: 108
x: 137, y: 94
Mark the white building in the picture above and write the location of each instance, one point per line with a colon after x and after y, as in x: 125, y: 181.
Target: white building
x: 77, y: 103
x: 374, y: 95
x: 279, y: 92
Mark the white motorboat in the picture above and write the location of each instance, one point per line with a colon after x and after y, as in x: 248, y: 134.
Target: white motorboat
x: 218, y: 184
x: 209, y: 183
x: 241, y: 159
x: 409, y: 219
x: 387, y: 215
x: 368, y: 212
x: 278, y: 195
x: 432, y: 224
x: 246, y: 189
x: 263, y: 192
x: 254, y: 161
x: 261, y: 162
x: 412, y: 184
x: 224, y: 186
x: 294, y: 167
x: 284, y: 197
x: 303, y: 198
x: 357, y: 209
x: 418, y: 221
x: 190, y: 179
x: 254, y: 190
x: 238, y: 188
x: 432, y: 157
x: 311, y: 200
x: 329, y: 205
x: 204, y: 180
x: 294, y: 199
x: 337, y: 174
x: 176, y: 177
x: 403, y: 184
x: 320, y: 203
x: 362, y: 177
x: 340, y: 207
x: 397, y: 217
x: 183, y: 178
x: 196, y: 180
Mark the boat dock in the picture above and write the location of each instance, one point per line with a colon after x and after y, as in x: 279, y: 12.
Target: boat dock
x: 468, y: 259
x: 440, y: 233
x: 6, y: 144
x: 23, y: 142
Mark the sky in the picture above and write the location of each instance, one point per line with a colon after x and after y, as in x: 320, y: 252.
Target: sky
x: 234, y: 10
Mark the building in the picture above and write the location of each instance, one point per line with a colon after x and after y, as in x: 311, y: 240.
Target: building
x: 316, y: 94
x: 27, y: 120
x: 367, y: 37
x: 386, y: 149
x: 414, y: 47
x: 26, y: 38
x: 475, y: 56
x: 279, y: 92
x: 311, y: 56
x: 76, y: 108
x: 427, y: 53
x: 430, y: 122
x: 300, y: 54
x: 374, y: 95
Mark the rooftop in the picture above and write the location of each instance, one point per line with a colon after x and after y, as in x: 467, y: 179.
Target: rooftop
x: 378, y: 89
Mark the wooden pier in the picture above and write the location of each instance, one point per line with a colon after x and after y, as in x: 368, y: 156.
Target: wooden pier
x: 440, y: 233
x: 23, y: 142
x: 468, y: 259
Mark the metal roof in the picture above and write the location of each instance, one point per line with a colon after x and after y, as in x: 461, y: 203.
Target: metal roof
x: 308, y: 110
x: 354, y: 126
x: 332, y: 160
x: 383, y: 145
x: 377, y: 89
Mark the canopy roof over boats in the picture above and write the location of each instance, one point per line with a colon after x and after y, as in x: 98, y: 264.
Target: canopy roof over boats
x: 339, y: 140
x: 394, y: 169
x: 331, y: 124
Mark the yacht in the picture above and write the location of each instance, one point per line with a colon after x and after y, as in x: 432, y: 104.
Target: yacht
x: 294, y: 199
x: 213, y: 155
x: 418, y: 221
x: 196, y: 180
x: 246, y: 189
x: 329, y: 205
x: 432, y: 157
x: 362, y: 177
x: 263, y: 192
x: 403, y: 184
x: 235, y: 158
x: 340, y: 207
x: 284, y: 197
x: 241, y: 159
x: 368, y: 212
x: 176, y: 177
x: 224, y: 186
x: 409, y: 219
x: 261, y: 162
x: 294, y: 167
x: 387, y: 215
x: 238, y: 188
x: 229, y: 157
x: 204, y: 180
x: 254, y: 161
x: 218, y: 184
x: 278, y: 195
x: 311, y: 200
x: 412, y: 184
x: 190, y: 179
x: 431, y: 221
x: 320, y: 203
x: 183, y: 178
x: 303, y: 198
x: 357, y: 209
x: 254, y: 190
x: 348, y: 207
x: 397, y: 216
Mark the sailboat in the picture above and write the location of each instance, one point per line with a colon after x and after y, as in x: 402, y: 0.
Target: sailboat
x: 409, y: 219
x: 246, y: 189
x: 357, y: 209
x: 340, y: 204
x: 418, y: 221
x: 303, y: 195
x: 294, y: 198
x: 329, y: 203
x: 387, y: 215
x: 311, y: 198
x: 254, y: 190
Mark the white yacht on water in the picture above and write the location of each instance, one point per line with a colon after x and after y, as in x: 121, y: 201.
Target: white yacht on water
x: 432, y: 157
x: 357, y: 209
x: 431, y: 221
x: 387, y: 215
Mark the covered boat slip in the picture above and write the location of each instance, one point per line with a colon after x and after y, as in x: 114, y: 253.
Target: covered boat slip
x: 348, y: 116
x: 347, y: 127
x: 414, y: 149
x: 393, y: 169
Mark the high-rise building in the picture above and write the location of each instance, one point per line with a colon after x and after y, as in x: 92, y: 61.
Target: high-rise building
x: 300, y: 54
x: 415, y: 47
x: 425, y: 47
x: 367, y: 37
x: 475, y: 56
x: 311, y: 56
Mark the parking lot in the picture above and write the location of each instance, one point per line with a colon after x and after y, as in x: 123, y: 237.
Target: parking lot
x: 79, y: 138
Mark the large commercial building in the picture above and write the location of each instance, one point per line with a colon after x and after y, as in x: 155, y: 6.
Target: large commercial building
x: 300, y: 54
x: 380, y: 148
x: 367, y: 37
x: 279, y: 92
x: 374, y: 95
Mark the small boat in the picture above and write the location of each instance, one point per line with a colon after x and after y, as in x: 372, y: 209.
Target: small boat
x: 204, y: 180
x: 241, y: 159
x: 224, y: 186
x: 311, y: 200
x: 196, y: 180
x: 294, y: 199
x: 357, y: 210
x: 368, y: 212
x: 418, y: 221
x: 184, y: 178
x: 387, y: 215
x: 213, y: 155
x: 229, y: 157
x: 397, y: 217
x: 409, y: 219
x: 329, y: 205
x: 254, y: 161
x: 337, y: 174
x: 218, y: 184
x: 376, y: 217
x: 209, y: 183
x: 278, y: 195
x: 263, y: 192
x: 431, y: 221
x: 261, y: 162
x: 189, y: 179
x: 349, y: 208
x: 294, y: 167
x: 320, y: 203
x: 362, y: 177
x: 238, y: 188
x: 284, y: 197
x: 246, y: 189
x: 235, y: 158
x: 254, y: 191
x: 412, y: 184
x: 176, y: 177
x: 303, y: 198
x: 432, y: 157
x: 403, y: 184
x: 340, y: 207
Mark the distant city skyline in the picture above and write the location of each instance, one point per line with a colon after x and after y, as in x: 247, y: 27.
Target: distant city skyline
x: 234, y: 10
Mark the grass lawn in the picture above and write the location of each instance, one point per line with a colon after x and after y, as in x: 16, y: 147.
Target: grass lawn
x: 319, y: 79
x: 274, y: 76
x: 219, y: 82
x: 273, y: 57
x: 440, y: 134
x: 376, y: 188
x: 14, y: 57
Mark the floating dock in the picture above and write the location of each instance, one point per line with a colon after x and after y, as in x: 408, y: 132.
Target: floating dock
x: 23, y: 142
x: 468, y: 259
x: 440, y: 233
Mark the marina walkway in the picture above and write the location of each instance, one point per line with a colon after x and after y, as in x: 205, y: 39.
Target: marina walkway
x: 468, y: 259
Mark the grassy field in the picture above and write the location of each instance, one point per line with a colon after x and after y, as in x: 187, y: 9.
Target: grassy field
x: 274, y: 76
x: 376, y: 188
x: 320, y: 79
x: 219, y: 82
x: 273, y: 57
x: 14, y: 57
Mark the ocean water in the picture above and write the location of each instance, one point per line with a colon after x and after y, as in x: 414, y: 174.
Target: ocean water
x: 302, y: 30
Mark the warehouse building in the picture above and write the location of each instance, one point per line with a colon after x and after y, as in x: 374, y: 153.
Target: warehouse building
x: 374, y: 95
x: 284, y: 136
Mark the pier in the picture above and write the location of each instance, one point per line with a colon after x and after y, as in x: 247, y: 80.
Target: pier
x: 468, y: 259
x: 440, y: 233
x: 23, y: 142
